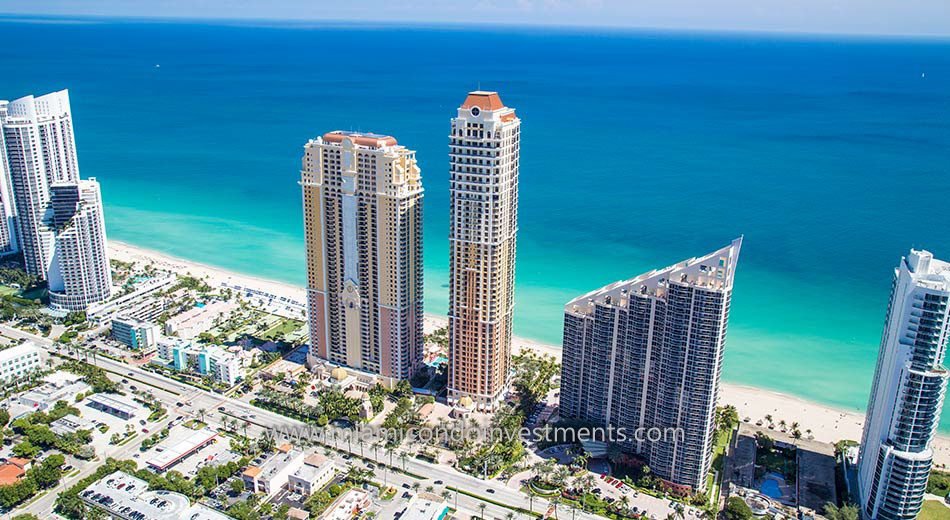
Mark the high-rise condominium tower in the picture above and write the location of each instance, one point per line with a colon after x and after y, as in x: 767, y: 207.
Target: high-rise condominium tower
x: 908, y: 391
x: 60, y: 227
x: 484, y: 147
x: 8, y: 236
x: 647, y: 353
x: 80, y: 275
x: 362, y: 196
x: 40, y: 151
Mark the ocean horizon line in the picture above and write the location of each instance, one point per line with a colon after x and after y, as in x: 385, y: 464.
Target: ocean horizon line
x: 486, y: 26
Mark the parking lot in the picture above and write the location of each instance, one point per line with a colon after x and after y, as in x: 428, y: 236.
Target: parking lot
x: 101, y: 441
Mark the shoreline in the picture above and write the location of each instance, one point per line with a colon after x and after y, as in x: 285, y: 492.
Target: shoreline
x: 827, y: 423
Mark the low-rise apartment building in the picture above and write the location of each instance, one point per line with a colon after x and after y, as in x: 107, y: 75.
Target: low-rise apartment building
x: 317, y: 471
x: 271, y: 476
x: 221, y: 365
x: 135, y: 333
x: 16, y: 362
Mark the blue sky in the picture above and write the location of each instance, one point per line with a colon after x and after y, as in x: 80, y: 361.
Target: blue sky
x: 888, y: 17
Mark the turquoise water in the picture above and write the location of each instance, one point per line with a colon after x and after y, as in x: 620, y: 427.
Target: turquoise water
x: 638, y: 150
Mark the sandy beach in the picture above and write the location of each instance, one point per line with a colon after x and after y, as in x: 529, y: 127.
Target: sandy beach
x: 827, y: 424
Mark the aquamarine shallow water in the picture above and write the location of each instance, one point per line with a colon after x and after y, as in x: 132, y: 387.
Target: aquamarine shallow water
x: 831, y: 156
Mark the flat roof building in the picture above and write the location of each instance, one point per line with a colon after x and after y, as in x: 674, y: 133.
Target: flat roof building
x: 18, y: 361
x: 347, y: 505
x: 271, y: 476
x: 112, y: 405
x: 422, y: 507
x: 56, y: 389
x: 135, y: 333
x: 316, y: 472
x: 174, y: 453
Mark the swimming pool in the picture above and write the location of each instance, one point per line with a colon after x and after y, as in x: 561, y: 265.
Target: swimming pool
x: 770, y: 488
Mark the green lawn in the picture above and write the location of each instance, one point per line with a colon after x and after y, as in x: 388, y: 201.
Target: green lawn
x: 934, y: 510
x: 6, y: 290
x: 284, y: 326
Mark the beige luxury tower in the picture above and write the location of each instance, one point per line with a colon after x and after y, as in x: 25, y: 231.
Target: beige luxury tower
x: 362, y: 196
x: 483, y: 179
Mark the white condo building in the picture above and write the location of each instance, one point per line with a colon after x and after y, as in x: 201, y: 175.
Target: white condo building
x: 484, y: 150
x: 41, y: 150
x: 59, y: 220
x: 80, y: 274
x: 908, y: 391
x: 18, y: 361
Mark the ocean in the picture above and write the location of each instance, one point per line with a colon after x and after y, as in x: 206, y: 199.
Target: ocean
x: 831, y: 155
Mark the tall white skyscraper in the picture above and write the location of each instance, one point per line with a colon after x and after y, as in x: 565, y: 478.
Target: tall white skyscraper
x: 60, y: 227
x: 484, y: 150
x: 908, y: 391
x: 647, y: 353
x: 40, y: 151
x: 8, y: 235
x: 79, y: 275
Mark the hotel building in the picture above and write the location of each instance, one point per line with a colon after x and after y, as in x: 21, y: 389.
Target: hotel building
x: 647, y: 353
x: 59, y: 220
x: 908, y: 391
x: 484, y: 147
x: 362, y: 197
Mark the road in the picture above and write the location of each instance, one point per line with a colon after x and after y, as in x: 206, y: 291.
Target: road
x: 170, y: 392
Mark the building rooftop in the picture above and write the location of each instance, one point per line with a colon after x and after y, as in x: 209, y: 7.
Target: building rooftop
x: 313, y: 465
x: 18, y: 350
x: 274, y: 464
x: 182, y: 448
x: 10, y: 473
x: 112, y: 402
x: 928, y: 271
x: 424, y: 508
x: 367, y: 139
x: 483, y: 99
x: 713, y: 271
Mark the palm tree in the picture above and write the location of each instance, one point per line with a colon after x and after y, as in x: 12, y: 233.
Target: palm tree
x: 415, y: 487
x: 430, y: 489
x: 201, y: 414
x: 402, y: 458
x: 446, y: 495
x: 781, y: 424
x: 481, y: 509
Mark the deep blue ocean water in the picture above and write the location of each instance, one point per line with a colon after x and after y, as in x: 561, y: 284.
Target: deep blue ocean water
x: 639, y: 149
